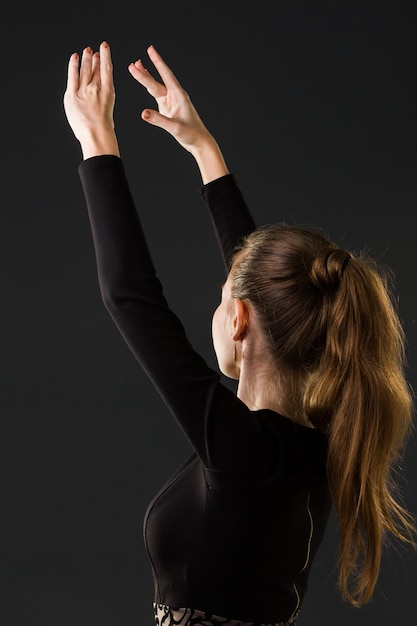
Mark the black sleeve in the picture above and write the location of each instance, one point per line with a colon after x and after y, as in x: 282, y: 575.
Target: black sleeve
x: 218, y: 425
x: 231, y: 217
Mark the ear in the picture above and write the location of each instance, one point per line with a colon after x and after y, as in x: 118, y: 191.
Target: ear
x: 240, y: 319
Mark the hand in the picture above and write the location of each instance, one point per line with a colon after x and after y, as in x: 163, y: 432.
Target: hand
x: 176, y: 113
x: 89, y: 101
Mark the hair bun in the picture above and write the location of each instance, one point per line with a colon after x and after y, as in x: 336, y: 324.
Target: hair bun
x: 328, y: 267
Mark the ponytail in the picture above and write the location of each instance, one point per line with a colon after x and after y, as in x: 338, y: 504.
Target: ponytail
x: 359, y: 389
x: 329, y: 318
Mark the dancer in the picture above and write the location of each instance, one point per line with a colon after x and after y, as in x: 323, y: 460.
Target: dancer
x: 322, y: 408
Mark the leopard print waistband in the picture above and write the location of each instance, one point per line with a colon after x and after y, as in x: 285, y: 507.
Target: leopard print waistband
x: 168, y: 616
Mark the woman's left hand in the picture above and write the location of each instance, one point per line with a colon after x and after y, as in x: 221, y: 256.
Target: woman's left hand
x: 89, y: 101
x: 176, y: 113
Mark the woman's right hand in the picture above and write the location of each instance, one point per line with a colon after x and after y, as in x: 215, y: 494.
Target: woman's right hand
x: 176, y: 114
x: 89, y: 101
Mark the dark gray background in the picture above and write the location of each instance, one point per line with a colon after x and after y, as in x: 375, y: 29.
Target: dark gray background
x: 314, y: 105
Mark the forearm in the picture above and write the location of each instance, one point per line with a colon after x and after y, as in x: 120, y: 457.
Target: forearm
x: 121, y: 250
x: 231, y: 217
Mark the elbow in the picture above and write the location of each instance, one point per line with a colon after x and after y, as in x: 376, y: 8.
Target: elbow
x: 117, y: 301
x: 110, y: 299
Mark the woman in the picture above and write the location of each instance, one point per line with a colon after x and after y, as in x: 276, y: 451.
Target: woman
x: 322, y: 407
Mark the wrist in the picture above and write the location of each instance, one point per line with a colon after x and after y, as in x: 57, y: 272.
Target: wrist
x: 210, y: 160
x: 98, y: 142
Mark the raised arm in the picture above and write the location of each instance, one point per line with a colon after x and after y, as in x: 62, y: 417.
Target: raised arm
x: 177, y: 115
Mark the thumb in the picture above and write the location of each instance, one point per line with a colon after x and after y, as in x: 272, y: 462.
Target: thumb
x: 176, y: 128
x: 156, y: 119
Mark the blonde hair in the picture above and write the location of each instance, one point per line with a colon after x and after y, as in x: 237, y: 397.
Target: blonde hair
x: 329, y: 316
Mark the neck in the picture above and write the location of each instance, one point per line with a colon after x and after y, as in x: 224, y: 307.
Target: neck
x: 262, y: 387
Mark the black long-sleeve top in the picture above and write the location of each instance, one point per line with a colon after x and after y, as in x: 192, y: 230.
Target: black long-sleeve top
x: 234, y: 531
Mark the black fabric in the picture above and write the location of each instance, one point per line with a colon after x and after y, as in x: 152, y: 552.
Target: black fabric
x: 234, y: 531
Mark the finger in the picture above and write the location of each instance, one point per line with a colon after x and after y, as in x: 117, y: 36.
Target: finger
x: 106, y: 66
x: 86, y: 66
x: 73, y: 74
x: 95, y: 68
x: 163, y: 70
x: 143, y: 77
